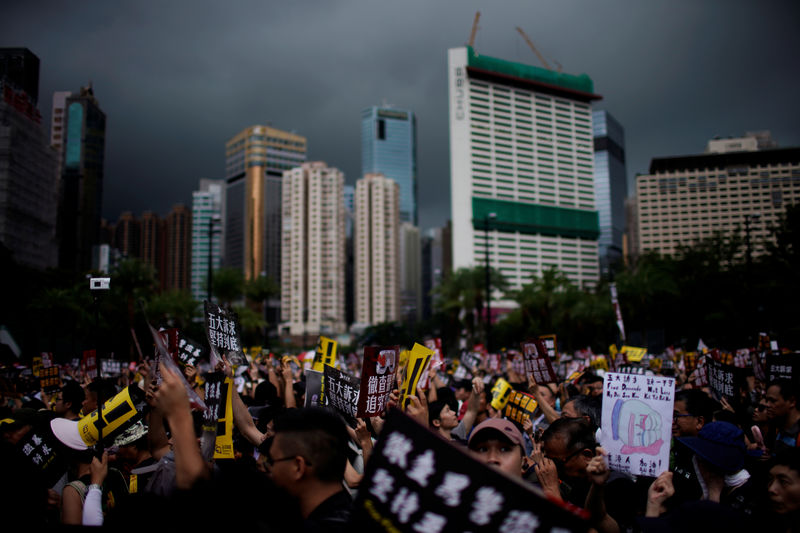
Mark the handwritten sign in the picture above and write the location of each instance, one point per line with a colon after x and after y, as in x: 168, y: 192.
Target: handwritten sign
x: 637, y: 422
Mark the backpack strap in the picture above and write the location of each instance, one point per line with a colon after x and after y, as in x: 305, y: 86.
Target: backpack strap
x: 80, y: 487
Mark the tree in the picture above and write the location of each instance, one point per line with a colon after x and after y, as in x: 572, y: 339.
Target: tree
x: 228, y: 285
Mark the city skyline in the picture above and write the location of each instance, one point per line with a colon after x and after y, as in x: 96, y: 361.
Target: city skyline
x: 177, y: 82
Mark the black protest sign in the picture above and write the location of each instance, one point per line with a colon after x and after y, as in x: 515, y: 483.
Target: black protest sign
x: 110, y: 368
x: 45, y: 452
x: 783, y: 367
x: 471, y: 360
x: 341, y: 392
x: 189, y: 351
x: 378, y: 376
x: 416, y: 481
x: 520, y: 406
x: 551, y: 343
x: 49, y: 378
x: 537, y: 362
x: 314, y: 395
x: 631, y: 369
x: 724, y: 380
x: 223, y: 333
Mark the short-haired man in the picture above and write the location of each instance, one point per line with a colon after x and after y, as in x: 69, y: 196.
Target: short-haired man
x: 69, y: 399
x: 692, y: 409
x: 444, y: 421
x: 784, y: 413
x: 307, y: 458
x: 784, y: 488
x: 498, y: 443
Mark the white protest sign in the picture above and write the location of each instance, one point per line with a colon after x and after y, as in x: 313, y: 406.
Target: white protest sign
x: 637, y: 422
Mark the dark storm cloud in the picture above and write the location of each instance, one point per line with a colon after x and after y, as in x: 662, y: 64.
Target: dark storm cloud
x: 176, y: 79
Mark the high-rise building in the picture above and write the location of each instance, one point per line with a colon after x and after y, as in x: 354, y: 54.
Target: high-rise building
x: 521, y: 169
x: 28, y: 179
x: 349, y: 289
x: 313, y: 251
x: 207, y: 232
x: 57, y: 125
x: 739, y: 186
x: 610, y: 185
x: 255, y: 160
x: 154, y: 245
x: 127, y: 235
x: 436, y: 264
x: 410, y: 273
x: 389, y: 147
x: 178, y: 247
x: 81, y: 189
x: 377, y: 248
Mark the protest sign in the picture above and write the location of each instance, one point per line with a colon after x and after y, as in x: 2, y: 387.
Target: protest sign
x: 89, y: 364
x: 416, y: 481
x: 418, y: 360
x: 501, y: 392
x: 163, y: 357
x: 537, y: 362
x: 634, y: 354
x: 783, y: 367
x: 437, y: 361
x: 631, y: 369
x: 223, y: 334
x: 699, y: 376
x: 189, y: 351
x: 218, y: 417
x: 325, y: 354
x: 117, y: 414
x: 49, y: 378
x: 517, y: 361
x: 725, y: 380
x: 471, y: 360
x: 48, y: 456
x: 341, y: 392
x: 110, y: 368
x: 599, y: 362
x: 551, y: 344
x: 520, y: 407
x: 37, y: 365
x: 378, y: 376
x: 637, y: 422
x: 314, y: 396
x: 461, y: 372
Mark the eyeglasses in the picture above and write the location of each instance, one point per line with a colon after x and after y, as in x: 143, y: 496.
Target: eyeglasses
x: 271, y: 461
x: 561, y: 462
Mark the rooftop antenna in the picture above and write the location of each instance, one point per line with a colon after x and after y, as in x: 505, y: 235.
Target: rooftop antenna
x: 532, y: 47
x: 474, y: 29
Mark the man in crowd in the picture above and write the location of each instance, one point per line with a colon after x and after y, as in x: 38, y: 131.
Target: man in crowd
x: 784, y: 413
x: 444, y: 421
x: 693, y: 409
x: 498, y: 443
x: 784, y: 488
x: 307, y: 458
x: 69, y: 399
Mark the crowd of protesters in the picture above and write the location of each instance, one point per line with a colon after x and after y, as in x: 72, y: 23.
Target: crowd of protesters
x: 734, y: 466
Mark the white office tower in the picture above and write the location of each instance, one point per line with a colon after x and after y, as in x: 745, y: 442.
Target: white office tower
x: 377, y: 249
x: 521, y: 163
x: 207, y: 230
x: 313, y: 251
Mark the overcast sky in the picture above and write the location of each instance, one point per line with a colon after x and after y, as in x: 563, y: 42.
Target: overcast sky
x: 176, y: 79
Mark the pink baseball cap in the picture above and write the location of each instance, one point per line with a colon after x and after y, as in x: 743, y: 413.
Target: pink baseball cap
x: 500, y: 425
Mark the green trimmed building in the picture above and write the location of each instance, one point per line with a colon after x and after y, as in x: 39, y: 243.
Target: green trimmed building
x: 522, y: 169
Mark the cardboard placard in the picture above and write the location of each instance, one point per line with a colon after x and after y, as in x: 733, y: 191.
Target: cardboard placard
x: 50, y: 378
x: 637, y: 422
x: 314, y: 394
x: 501, y: 392
x: 634, y: 354
x: 224, y: 335
x: 341, y: 392
x: 520, y: 407
x: 418, y: 360
x: 724, y: 380
x: 416, y: 481
x: 89, y: 364
x: 378, y: 378
x: 189, y: 351
x: 551, y: 344
x: 325, y: 354
x: 537, y: 362
x: 783, y: 367
x: 218, y: 418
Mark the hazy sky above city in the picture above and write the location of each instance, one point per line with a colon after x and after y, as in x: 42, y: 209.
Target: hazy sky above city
x: 176, y: 79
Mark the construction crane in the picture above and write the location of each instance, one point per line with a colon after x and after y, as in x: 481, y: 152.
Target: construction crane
x: 535, y: 51
x: 474, y: 29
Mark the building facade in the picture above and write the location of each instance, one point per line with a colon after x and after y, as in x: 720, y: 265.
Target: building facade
x: 521, y: 164
x: 610, y: 186
x: 389, y: 147
x: 127, y: 235
x: 738, y: 186
x: 28, y: 178
x: 81, y: 188
x: 207, y: 233
x: 376, y: 250
x: 178, y: 237
x: 410, y: 273
x: 255, y: 160
x: 153, y: 249
x: 313, y: 251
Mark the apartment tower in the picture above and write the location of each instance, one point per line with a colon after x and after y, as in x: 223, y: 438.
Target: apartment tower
x: 207, y: 232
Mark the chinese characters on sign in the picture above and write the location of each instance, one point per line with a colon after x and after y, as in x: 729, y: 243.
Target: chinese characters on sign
x: 222, y: 330
x: 537, y: 362
x: 637, y: 422
x: 418, y: 360
x: 724, y: 380
x: 341, y: 392
x: 417, y: 482
x: 218, y: 418
x: 377, y: 379
x: 325, y: 354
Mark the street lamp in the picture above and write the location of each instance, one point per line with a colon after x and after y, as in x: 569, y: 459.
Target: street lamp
x: 213, y: 220
x: 488, y: 281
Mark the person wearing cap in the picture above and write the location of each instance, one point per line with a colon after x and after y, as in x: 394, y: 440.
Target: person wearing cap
x: 498, y: 443
x: 16, y: 426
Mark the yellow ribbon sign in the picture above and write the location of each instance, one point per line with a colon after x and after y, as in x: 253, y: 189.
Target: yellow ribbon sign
x: 501, y: 392
x: 326, y: 354
x: 418, y: 359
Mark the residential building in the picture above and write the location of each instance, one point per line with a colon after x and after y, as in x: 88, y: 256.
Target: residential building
x: 522, y: 170
x: 376, y: 250
x: 153, y: 249
x: 207, y: 231
x: 81, y: 188
x: 389, y: 147
x: 410, y: 273
x: 127, y: 235
x: 738, y: 186
x: 178, y: 237
x: 313, y: 252
x: 349, y: 290
x: 28, y: 179
x: 57, y: 125
x: 436, y: 264
x: 610, y: 186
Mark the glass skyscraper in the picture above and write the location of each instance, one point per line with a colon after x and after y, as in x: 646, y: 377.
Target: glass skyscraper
x: 610, y: 185
x: 389, y: 147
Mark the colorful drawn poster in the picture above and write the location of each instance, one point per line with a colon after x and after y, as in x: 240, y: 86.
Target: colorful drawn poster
x: 224, y: 335
x: 418, y: 360
x: 325, y: 354
x: 378, y: 377
x: 537, y: 362
x: 416, y: 481
x: 637, y: 422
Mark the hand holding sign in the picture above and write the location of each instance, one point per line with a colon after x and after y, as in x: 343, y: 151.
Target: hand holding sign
x: 171, y: 396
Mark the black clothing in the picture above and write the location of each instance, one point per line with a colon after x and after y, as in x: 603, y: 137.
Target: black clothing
x: 331, y: 515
